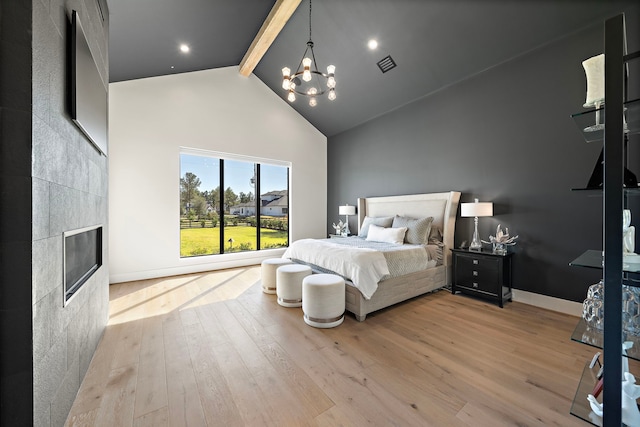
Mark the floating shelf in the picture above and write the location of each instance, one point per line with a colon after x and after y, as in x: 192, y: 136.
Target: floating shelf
x: 593, y: 259
x: 585, y: 335
x: 580, y: 405
x: 586, y: 121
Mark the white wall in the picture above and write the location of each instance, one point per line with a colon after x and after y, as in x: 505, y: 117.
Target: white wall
x: 215, y: 110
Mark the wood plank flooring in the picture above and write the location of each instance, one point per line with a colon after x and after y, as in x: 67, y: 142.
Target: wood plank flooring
x: 211, y: 349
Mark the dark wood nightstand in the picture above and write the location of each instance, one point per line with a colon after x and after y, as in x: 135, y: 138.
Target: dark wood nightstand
x: 482, y: 273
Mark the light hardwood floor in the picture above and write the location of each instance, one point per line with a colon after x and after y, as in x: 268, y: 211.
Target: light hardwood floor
x: 211, y: 349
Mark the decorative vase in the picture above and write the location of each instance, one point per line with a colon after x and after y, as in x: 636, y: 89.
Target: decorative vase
x: 631, y: 310
x: 499, y: 248
x: 593, y: 306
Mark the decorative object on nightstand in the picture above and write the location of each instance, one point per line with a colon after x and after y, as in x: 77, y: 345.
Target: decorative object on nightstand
x: 338, y: 227
x: 346, y: 211
x: 501, y: 241
x: 482, y: 273
x: 475, y: 210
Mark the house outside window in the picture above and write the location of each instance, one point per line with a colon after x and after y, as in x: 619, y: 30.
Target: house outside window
x: 215, y: 221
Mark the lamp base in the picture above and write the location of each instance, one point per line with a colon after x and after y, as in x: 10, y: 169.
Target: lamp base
x: 346, y: 232
x: 475, y: 245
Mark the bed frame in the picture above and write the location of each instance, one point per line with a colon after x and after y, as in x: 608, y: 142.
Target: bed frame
x: 443, y: 208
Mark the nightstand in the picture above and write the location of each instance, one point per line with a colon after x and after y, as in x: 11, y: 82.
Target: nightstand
x: 482, y: 273
x: 337, y: 236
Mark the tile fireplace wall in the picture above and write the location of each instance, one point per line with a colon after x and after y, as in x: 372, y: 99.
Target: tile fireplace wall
x: 52, y: 180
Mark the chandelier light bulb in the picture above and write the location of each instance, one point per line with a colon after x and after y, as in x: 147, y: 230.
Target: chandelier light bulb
x: 306, y: 74
x: 332, y: 94
x: 312, y: 91
x: 312, y: 101
x: 331, y: 82
x: 286, y: 72
x: 291, y: 97
x: 331, y: 70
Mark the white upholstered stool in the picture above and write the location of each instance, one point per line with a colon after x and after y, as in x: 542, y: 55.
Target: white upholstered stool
x: 289, y: 284
x: 268, y: 270
x: 323, y: 300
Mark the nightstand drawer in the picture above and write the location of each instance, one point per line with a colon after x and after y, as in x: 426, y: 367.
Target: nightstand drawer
x: 474, y: 269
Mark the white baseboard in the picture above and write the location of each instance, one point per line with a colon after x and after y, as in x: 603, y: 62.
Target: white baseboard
x: 200, y: 264
x: 550, y: 303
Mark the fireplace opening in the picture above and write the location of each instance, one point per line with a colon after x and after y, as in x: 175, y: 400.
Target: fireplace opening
x: 82, y: 257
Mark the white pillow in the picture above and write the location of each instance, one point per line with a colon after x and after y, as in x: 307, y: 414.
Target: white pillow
x: 387, y: 235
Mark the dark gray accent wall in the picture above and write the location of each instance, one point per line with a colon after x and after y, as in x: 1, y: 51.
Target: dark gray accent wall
x: 503, y: 136
x: 51, y: 180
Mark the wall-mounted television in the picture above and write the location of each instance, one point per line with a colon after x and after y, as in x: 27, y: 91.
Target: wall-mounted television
x: 89, y: 94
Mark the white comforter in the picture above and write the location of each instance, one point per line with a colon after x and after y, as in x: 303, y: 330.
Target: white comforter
x: 364, y: 267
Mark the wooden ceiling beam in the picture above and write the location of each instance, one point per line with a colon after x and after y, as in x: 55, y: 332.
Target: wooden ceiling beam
x: 271, y: 27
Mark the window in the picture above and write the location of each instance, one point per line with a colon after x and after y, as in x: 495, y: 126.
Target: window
x: 234, y: 219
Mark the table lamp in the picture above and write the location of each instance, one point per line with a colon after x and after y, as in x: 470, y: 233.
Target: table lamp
x: 475, y: 210
x: 346, y: 211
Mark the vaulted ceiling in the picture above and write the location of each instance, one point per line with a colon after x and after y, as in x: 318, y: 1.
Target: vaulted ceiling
x: 435, y: 43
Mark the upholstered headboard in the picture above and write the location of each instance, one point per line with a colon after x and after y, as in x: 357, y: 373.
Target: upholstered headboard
x: 442, y: 207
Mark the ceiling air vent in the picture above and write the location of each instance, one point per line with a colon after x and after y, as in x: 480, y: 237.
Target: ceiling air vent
x: 386, y: 64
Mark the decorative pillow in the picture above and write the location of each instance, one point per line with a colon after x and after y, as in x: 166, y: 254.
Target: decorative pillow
x: 381, y: 221
x: 417, y: 228
x: 387, y: 235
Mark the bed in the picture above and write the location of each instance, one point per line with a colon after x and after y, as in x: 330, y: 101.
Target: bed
x: 389, y: 290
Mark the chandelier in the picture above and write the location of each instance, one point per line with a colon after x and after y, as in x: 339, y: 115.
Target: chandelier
x: 307, y: 80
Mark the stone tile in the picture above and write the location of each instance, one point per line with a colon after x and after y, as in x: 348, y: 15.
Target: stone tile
x: 40, y: 209
x: 15, y: 79
x: 17, y: 403
x: 65, y: 395
x: 47, y: 266
x: 50, y: 372
x: 15, y: 198
x: 49, y: 153
x: 15, y: 275
x: 15, y: 22
x: 42, y: 60
x: 41, y: 328
x: 15, y: 150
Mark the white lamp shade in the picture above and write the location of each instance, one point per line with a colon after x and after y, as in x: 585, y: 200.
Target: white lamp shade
x: 476, y: 209
x: 594, y: 70
x: 347, y: 210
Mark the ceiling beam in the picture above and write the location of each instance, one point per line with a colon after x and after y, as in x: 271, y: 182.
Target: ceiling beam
x: 271, y: 27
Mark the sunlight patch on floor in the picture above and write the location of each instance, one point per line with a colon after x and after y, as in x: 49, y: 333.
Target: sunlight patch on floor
x: 145, y: 298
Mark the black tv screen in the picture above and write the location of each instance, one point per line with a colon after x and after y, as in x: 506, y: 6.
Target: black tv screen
x: 88, y: 91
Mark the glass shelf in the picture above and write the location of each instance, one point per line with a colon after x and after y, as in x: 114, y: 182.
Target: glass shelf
x: 580, y: 406
x: 593, y: 259
x: 595, y: 338
x: 586, y: 121
x: 635, y: 191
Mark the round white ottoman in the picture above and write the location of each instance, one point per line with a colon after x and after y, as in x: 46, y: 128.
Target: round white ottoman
x: 289, y: 284
x: 323, y: 300
x: 268, y: 270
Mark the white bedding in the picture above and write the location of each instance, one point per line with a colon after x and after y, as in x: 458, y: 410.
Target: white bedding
x: 363, y: 266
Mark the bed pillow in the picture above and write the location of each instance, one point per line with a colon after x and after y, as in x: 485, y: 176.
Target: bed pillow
x: 381, y: 221
x: 417, y: 228
x: 387, y: 235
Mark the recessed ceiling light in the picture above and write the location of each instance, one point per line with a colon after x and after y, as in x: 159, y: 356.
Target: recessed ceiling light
x: 184, y: 48
x: 373, y: 44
